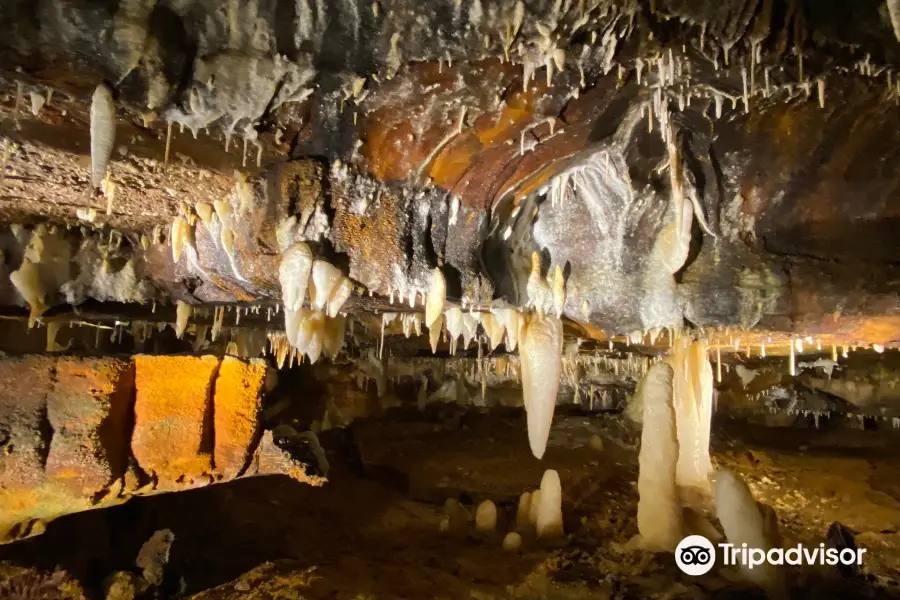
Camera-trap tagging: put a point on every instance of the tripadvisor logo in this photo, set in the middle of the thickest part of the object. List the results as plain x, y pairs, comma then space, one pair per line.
696, 555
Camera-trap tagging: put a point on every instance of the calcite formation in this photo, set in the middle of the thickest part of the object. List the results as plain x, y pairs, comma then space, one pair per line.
659, 511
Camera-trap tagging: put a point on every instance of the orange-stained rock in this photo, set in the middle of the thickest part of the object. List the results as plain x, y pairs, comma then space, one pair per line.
236, 403
173, 429
89, 411
56, 451
25, 384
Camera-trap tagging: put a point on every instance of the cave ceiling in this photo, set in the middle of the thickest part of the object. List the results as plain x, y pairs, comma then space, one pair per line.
658, 165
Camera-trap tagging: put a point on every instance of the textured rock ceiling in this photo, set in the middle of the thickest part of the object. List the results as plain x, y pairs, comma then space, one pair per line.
683, 162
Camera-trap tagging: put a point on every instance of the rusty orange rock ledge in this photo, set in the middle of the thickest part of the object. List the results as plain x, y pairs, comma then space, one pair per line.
84, 433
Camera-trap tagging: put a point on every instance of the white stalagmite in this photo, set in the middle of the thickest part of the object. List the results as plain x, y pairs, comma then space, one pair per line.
541, 363
549, 512
486, 517
743, 523
435, 297
293, 274
533, 507
692, 400
659, 514
512, 542
523, 510
103, 132
182, 314
325, 277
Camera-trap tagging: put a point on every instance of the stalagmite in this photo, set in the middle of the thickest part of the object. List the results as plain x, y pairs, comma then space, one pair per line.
323, 280
549, 512
103, 132
743, 523
512, 542
692, 401
524, 510
486, 517
182, 314
456, 518
293, 274
533, 507
541, 357
659, 514
435, 296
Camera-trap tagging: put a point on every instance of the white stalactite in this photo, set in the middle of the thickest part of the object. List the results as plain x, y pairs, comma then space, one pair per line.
541, 357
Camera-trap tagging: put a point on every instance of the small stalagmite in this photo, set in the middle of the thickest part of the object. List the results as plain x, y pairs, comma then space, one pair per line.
523, 510
486, 517
533, 507
743, 523
549, 512
512, 542
456, 518
541, 354
659, 514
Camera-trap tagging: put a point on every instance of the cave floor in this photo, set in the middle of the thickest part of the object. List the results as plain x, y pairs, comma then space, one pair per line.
373, 530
